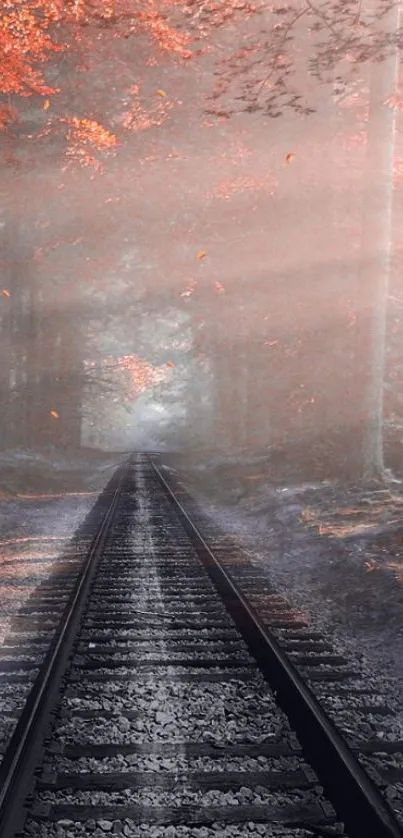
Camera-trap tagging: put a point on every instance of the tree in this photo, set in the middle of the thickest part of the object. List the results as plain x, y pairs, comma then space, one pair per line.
376, 255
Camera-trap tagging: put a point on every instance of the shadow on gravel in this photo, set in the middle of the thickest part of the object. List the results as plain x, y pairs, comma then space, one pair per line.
336, 550
40, 612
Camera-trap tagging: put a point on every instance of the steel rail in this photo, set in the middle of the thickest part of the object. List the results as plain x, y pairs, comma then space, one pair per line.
354, 795
26, 747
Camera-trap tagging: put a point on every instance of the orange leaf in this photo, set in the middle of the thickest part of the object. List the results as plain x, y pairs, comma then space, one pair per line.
46, 105
290, 156
54, 413
170, 364
161, 93
5, 292
201, 254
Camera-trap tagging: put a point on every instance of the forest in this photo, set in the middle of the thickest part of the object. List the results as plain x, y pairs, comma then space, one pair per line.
200, 232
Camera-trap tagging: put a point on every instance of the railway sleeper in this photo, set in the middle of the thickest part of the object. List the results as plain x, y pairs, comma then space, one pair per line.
302, 778
215, 750
291, 814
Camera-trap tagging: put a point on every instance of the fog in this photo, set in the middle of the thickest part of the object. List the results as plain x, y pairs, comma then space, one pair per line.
200, 236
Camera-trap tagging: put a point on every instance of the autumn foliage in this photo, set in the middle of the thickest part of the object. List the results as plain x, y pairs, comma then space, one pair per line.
25, 45
259, 74
32, 31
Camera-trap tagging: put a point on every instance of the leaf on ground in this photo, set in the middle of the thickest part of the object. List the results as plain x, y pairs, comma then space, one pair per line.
54, 414
370, 566
46, 105
170, 364
201, 254
5, 292
161, 92
290, 156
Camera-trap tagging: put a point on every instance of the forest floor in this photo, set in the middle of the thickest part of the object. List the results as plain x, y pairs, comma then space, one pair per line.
44, 497
29, 473
335, 550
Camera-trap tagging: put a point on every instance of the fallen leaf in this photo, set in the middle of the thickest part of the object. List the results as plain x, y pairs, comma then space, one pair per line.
170, 364
54, 413
290, 156
5, 292
201, 254
161, 93
189, 288
46, 105
220, 288
370, 566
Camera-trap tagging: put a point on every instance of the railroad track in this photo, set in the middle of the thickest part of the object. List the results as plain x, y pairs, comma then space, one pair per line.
158, 711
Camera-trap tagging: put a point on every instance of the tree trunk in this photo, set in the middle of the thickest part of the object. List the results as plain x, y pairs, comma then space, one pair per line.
14, 341
375, 258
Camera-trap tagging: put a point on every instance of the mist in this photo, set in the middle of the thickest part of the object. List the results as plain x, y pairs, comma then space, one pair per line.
187, 241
